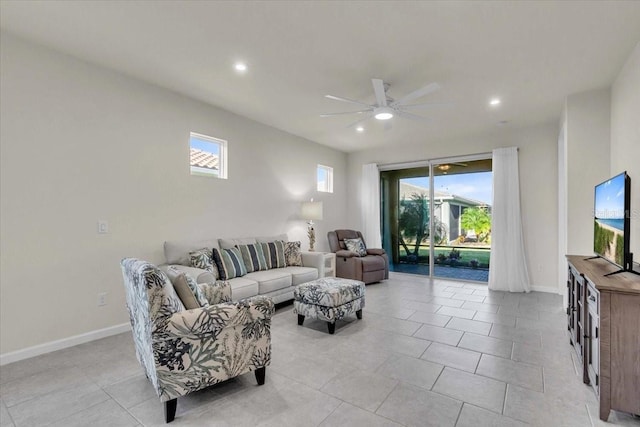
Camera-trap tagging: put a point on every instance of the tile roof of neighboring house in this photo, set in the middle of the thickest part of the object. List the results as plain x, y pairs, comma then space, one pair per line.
406, 190
203, 159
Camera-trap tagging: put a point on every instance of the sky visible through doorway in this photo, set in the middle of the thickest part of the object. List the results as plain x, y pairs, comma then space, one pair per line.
477, 185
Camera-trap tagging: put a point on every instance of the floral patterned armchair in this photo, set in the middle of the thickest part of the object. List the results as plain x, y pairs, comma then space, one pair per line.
182, 350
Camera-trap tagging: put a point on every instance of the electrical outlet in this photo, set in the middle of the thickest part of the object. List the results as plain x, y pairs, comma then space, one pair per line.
103, 226
102, 299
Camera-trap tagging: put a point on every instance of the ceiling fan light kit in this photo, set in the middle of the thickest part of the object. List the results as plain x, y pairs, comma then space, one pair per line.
383, 113
385, 107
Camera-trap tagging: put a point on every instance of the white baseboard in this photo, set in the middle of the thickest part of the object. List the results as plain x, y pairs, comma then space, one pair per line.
550, 290
48, 347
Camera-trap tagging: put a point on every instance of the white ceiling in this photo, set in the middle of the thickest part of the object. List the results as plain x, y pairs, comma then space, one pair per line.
531, 54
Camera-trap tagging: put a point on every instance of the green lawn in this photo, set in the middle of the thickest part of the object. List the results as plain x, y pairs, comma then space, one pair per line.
466, 254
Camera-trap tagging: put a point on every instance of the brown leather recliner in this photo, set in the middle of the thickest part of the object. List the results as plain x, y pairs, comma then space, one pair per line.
371, 268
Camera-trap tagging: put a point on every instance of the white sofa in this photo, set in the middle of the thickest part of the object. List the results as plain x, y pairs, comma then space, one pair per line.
277, 283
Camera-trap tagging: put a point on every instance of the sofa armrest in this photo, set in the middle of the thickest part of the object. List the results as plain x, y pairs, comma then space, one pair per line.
217, 292
376, 252
313, 259
212, 319
346, 254
201, 276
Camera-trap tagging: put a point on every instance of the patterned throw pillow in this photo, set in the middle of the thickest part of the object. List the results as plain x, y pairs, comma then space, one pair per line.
203, 258
229, 263
217, 292
292, 254
187, 289
356, 245
253, 257
274, 254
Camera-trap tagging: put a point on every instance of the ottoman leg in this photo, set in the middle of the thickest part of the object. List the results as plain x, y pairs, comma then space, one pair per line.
300, 319
359, 314
332, 327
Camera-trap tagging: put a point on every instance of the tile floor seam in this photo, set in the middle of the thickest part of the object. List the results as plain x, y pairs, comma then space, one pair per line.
459, 413
398, 382
342, 402
83, 409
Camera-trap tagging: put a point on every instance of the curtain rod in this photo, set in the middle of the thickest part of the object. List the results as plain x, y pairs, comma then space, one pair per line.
424, 163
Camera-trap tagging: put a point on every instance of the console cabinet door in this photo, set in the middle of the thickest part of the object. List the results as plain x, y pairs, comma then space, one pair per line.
592, 351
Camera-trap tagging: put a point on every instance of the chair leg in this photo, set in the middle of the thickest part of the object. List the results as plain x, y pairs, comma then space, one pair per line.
170, 410
300, 319
332, 327
359, 314
260, 374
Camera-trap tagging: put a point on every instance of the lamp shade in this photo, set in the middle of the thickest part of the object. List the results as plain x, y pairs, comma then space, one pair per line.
312, 210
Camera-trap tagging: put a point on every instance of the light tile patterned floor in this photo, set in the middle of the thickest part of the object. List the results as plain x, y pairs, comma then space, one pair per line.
421, 356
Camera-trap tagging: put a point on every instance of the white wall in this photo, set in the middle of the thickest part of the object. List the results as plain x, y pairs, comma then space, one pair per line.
625, 136
588, 132
538, 185
81, 143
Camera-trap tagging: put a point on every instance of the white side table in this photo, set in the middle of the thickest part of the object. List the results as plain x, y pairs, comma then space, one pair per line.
329, 264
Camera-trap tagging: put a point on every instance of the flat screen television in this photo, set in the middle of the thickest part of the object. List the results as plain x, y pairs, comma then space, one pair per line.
612, 221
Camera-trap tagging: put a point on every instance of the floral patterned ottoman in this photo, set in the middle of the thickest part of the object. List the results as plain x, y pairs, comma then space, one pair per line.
329, 299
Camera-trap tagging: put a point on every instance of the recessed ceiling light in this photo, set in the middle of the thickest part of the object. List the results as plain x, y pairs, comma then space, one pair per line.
494, 102
360, 129
240, 67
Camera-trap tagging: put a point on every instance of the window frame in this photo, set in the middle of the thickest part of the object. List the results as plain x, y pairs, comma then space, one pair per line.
222, 156
328, 188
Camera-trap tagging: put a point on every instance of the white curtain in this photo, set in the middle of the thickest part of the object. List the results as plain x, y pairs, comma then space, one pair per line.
370, 205
508, 269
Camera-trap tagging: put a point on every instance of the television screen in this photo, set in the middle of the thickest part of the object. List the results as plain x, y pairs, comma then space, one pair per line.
611, 219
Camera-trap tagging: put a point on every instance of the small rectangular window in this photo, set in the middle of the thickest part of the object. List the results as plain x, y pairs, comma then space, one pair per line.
325, 179
207, 156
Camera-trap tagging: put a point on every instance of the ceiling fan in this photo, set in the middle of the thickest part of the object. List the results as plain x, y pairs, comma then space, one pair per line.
386, 107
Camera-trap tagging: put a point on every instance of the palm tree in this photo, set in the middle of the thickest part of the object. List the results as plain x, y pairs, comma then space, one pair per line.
413, 223
477, 219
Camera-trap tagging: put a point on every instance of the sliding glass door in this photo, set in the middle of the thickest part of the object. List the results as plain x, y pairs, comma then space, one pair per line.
437, 218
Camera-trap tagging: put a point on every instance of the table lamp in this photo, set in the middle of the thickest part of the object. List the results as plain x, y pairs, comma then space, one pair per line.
311, 211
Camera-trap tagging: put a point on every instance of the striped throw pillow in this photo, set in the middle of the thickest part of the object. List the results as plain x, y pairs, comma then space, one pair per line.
274, 254
253, 257
229, 263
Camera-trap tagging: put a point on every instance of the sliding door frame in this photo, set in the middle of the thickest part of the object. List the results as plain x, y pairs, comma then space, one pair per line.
431, 163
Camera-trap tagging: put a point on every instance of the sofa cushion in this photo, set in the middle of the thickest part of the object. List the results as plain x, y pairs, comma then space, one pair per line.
203, 259
177, 252
373, 263
253, 257
229, 263
274, 254
301, 274
292, 254
270, 280
201, 276
242, 288
267, 239
187, 289
356, 245
232, 243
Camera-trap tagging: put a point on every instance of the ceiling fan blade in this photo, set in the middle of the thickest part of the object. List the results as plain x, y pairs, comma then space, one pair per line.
413, 116
367, 117
344, 113
426, 105
351, 101
432, 87
378, 88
